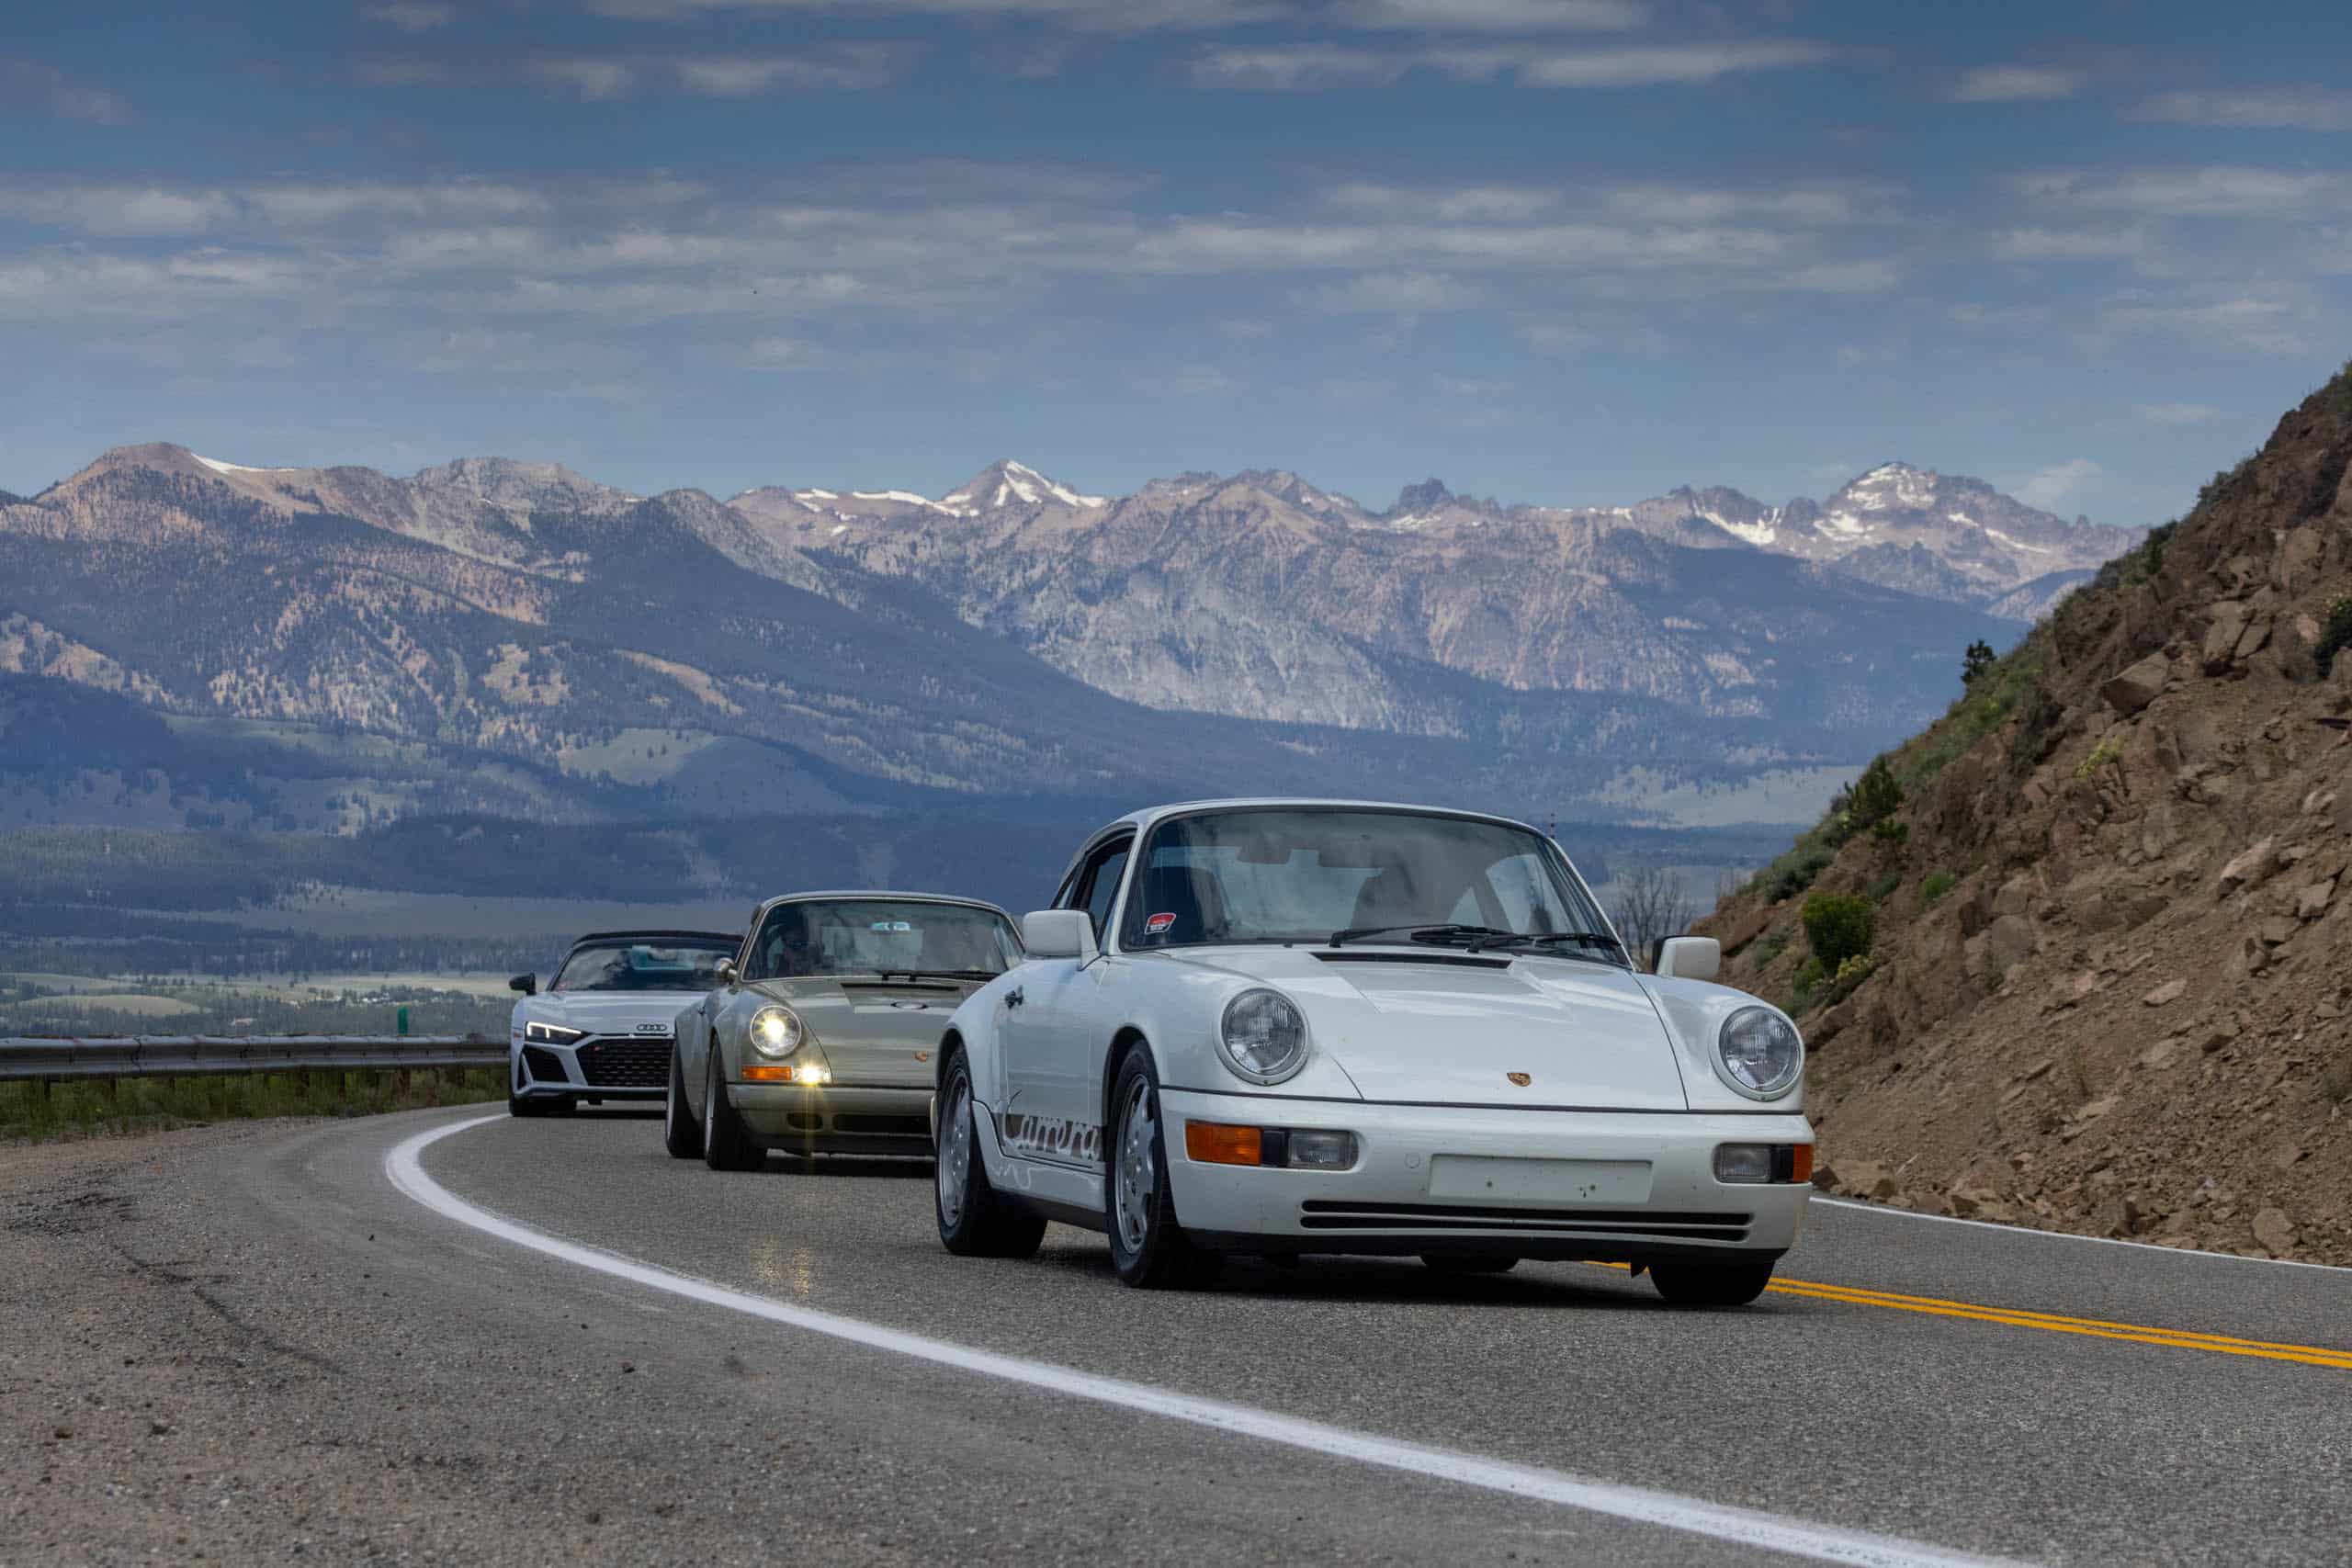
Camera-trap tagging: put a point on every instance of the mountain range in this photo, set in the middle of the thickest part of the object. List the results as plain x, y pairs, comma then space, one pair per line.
327, 648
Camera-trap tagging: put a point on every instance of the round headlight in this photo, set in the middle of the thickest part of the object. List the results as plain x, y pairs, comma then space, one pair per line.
776, 1032
1759, 1054
1263, 1038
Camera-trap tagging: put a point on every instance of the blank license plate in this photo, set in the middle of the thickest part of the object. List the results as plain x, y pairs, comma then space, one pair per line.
1540, 1181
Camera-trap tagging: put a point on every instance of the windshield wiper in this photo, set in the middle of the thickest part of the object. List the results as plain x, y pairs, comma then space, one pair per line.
1538, 939
940, 974
1438, 933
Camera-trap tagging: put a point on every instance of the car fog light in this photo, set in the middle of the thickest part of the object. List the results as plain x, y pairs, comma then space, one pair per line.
809, 1072
1744, 1163
1755, 1164
1318, 1150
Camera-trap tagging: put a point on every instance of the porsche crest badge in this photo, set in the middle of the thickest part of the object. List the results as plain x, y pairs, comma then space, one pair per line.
1521, 1079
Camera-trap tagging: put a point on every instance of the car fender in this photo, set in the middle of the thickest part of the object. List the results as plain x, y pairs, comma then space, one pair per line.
1177, 1006
1694, 1013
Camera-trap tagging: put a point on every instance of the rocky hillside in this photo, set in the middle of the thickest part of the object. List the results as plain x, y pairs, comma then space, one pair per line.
2107, 982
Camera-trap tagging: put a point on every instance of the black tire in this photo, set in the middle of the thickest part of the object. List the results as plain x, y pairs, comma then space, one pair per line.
1471, 1262
1711, 1284
681, 1129
727, 1144
519, 1106
975, 1219
1148, 1247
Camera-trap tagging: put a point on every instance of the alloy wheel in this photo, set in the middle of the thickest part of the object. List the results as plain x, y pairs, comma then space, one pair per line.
1138, 1184
955, 1163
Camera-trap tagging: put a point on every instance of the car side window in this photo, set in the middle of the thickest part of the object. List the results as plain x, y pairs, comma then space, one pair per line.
1097, 884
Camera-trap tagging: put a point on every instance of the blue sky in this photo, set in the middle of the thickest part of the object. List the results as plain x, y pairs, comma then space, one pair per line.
1558, 251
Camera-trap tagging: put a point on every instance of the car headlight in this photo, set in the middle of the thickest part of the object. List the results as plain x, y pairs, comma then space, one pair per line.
1263, 1036
539, 1033
1759, 1054
776, 1032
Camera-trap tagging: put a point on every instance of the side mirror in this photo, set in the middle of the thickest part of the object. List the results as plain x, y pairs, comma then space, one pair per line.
726, 972
1689, 958
528, 985
1059, 933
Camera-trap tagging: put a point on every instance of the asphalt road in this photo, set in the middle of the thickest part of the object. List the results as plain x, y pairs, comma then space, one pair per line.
1964, 1388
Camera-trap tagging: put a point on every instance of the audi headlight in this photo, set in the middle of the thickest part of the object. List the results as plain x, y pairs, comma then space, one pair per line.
776, 1032
1262, 1037
1759, 1054
539, 1033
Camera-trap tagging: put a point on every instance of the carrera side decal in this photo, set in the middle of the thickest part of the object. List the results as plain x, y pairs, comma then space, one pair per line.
1052, 1138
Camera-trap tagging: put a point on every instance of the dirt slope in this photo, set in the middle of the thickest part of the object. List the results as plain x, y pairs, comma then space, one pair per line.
2110, 988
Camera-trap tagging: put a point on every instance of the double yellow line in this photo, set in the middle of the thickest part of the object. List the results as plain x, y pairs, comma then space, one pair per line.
2056, 1322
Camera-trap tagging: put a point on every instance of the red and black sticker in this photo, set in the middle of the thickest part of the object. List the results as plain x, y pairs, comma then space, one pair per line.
1157, 923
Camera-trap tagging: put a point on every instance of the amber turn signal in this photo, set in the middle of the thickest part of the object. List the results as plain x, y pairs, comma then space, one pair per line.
754, 1072
1801, 1167
1214, 1142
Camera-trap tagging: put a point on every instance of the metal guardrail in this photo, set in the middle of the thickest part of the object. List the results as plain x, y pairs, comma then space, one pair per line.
189, 1055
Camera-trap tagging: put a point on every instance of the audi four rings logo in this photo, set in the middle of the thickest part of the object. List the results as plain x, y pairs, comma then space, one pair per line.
654, 1029
1521, 1079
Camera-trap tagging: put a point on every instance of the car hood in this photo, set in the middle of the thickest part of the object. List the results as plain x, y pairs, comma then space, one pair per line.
611, 1012
849, 1011
1410, 1026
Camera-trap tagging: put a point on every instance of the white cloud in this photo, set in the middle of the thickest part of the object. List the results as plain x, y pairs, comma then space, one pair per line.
388, 71
1188, 380
593, 80
1297, 67
2268, 108
849, 67
413, 15
2177, 413
1461, 204
1495, 15
1554, 337
2208, 191
2050, 488
1395, 293
1666, 63
1283, 68
1100, 15
2070, 244
27, 85
2245, 323
2017, 83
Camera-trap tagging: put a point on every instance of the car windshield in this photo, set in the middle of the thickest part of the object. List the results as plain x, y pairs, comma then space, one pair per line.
1317, 875
866, 936
656, 964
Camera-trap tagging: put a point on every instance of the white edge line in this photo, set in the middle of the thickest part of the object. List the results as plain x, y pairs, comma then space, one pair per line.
2070, 1235
1742, 1527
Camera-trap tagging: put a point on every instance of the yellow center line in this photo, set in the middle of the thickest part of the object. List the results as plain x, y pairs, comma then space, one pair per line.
2056, 1322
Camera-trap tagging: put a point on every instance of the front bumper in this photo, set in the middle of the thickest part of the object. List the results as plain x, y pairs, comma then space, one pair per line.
1667, 1205
603, 1066
836, 1118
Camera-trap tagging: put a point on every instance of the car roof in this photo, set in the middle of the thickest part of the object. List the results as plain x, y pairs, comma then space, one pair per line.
879, 894
1149, 815
730, 938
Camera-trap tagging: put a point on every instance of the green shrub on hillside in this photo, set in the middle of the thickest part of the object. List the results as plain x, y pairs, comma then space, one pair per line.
1874, 797
1838, 926
1934, 886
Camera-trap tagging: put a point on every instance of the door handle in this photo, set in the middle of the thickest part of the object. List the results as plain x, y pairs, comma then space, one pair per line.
1014, 999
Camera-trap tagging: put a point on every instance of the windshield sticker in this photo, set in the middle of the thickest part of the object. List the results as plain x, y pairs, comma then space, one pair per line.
891, 926
1158, 923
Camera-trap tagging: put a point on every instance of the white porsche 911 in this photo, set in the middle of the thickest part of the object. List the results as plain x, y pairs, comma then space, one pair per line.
603, 1028
1289, 1027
